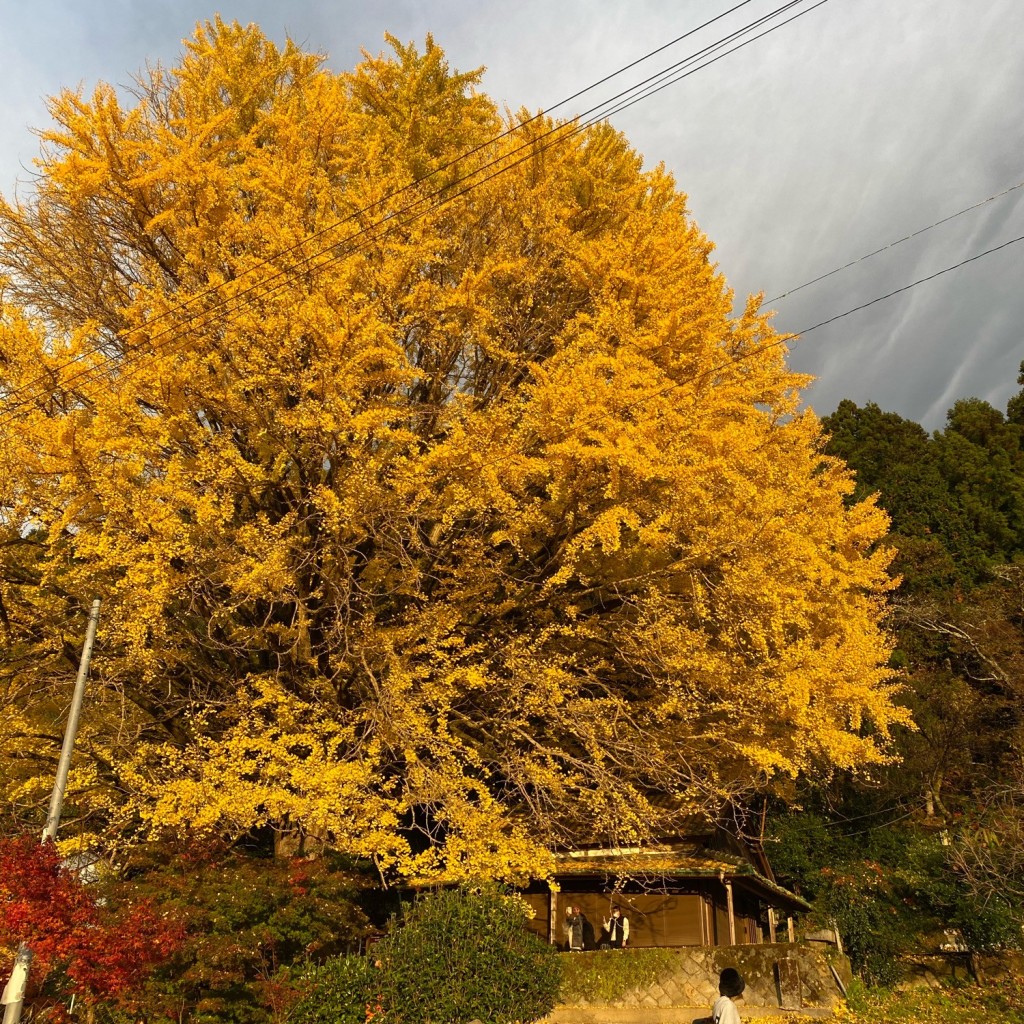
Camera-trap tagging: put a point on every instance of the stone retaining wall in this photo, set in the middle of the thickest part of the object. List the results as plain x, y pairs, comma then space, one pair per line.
943, 969
794, 976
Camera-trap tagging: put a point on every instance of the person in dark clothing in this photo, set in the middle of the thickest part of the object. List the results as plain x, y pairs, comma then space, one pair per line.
589, 938
574, 921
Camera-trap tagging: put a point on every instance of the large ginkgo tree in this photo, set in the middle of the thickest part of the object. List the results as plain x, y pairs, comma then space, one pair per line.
442, 510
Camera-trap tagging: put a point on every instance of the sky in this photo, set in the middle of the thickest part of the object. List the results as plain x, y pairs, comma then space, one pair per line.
858, 123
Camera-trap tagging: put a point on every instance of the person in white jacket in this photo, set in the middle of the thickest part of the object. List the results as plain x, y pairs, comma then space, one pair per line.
617, 928
730, 988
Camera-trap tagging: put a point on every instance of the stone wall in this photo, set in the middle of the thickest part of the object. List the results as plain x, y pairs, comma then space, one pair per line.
941, 970
777, 974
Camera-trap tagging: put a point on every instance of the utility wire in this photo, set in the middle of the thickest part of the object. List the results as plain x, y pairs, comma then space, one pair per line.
839, 822
568, 130
782, 339
845, 835
898, 241
913, 284
656, 83
678, 78
884, 824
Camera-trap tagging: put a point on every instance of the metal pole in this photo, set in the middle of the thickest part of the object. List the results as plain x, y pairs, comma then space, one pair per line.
14, 991
71, 729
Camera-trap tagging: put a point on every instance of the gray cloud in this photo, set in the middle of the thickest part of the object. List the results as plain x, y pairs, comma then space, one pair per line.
852, 126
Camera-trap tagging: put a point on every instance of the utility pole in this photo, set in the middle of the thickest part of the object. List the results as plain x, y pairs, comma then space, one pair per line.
71, 729
14, 992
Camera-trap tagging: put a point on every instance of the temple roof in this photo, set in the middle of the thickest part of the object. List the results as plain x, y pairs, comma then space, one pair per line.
682, 858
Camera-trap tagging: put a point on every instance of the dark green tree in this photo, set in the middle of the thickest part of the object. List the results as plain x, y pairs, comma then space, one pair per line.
944, 856
1015, 407
896, 458
251, 921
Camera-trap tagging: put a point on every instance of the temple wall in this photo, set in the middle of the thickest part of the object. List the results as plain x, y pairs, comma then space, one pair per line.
696, 918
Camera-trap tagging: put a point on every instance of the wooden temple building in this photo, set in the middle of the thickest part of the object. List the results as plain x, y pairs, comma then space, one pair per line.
708, 889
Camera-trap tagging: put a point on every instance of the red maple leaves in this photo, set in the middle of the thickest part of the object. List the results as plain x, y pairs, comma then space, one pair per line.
102, 950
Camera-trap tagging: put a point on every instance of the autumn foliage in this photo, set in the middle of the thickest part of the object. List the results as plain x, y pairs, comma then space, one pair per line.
440, 514
89, 948
249, 922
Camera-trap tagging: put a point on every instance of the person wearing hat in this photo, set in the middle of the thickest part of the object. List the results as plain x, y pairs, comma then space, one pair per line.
730, 987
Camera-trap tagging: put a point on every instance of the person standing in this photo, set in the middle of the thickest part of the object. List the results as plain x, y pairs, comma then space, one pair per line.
574, 929
617, 928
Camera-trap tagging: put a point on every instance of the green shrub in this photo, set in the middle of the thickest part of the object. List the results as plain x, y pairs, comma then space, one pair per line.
874, 927
339, 991
462, 955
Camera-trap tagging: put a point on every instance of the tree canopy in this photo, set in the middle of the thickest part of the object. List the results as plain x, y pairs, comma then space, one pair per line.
440, 533
956, 499
934, 842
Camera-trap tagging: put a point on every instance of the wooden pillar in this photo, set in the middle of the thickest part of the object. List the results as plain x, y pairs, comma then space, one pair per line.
789, 928
771, 925
732, 911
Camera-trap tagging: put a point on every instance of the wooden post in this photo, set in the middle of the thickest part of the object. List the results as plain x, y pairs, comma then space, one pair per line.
789, 928
771, 925
732, 912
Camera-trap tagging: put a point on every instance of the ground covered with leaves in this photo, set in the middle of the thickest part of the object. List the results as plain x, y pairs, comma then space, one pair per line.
997, 1003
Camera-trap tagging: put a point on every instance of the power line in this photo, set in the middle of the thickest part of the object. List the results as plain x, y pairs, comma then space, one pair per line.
653, 84
388, 223
679, 78
574, 128
840, 822
884, 824
782, 339
913, 284
898, 241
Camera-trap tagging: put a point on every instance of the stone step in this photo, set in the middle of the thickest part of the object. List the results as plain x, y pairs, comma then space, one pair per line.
669, 1015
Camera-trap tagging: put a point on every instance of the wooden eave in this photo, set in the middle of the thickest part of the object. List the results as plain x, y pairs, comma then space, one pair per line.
676, 861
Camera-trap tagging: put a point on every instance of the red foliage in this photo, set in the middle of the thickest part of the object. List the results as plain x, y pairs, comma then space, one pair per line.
103, 951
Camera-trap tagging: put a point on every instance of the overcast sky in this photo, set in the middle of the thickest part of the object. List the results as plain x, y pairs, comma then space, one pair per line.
856, 124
